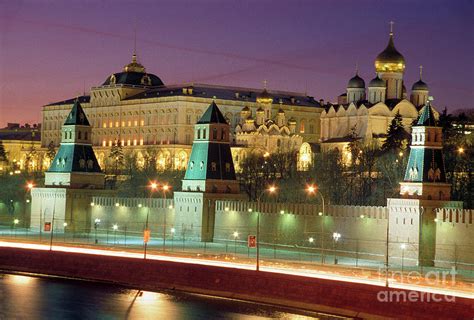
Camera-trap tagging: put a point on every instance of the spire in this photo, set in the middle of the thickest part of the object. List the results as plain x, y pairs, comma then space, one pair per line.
77, 116
391, 27
427, 118
421, 72
212, 115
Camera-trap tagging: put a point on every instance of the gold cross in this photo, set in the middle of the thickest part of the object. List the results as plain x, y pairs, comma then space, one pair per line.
391, 26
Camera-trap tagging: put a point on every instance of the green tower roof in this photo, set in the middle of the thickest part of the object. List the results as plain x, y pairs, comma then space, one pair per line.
426, 118
77, 116
212, 115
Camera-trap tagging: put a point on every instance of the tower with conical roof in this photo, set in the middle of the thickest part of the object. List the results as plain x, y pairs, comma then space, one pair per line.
73, 178
210, 176
425, 176
390, 66
75, 164
424, 189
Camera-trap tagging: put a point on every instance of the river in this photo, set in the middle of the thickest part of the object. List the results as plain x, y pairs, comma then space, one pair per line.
31, 297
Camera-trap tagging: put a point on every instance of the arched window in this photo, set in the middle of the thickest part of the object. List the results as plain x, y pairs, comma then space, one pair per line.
199, 134
204, 133
79, 135
302, 126
214, 134
223, 134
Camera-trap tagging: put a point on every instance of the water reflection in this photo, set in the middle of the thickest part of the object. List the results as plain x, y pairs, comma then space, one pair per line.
25, 297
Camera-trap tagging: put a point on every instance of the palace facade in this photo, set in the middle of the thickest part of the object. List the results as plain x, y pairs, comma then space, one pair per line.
135, 109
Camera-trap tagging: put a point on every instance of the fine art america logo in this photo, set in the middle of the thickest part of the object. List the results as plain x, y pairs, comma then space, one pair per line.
430, 278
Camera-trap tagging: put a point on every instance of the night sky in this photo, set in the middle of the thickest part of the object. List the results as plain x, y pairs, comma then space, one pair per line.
50, 49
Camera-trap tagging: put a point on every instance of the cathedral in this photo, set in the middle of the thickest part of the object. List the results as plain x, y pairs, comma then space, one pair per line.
367, 112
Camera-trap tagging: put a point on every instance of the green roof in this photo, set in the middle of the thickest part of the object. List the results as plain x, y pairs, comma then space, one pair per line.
212, 115
427, 117
77, 116
425, 165
210, 160
75, 158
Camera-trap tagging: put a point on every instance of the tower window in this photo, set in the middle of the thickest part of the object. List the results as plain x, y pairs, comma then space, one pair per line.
204, 133
214, 134
223, 134
227, 167
199, 134
79, 135
191, 165
85, 135
202, 165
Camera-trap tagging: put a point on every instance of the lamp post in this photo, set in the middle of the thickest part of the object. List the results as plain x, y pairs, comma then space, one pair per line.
403, 247
64, 232
115, 227
312, 189
96, 225
335, 237
165, 189
271, 190
15, 222
173, 230
311, 240
153, 186
236, 235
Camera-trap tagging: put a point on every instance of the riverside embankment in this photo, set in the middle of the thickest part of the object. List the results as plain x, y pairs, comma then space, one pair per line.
335, 297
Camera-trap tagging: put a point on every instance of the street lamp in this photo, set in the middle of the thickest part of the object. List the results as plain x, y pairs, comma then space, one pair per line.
165, 189
153, 186
173, 230
15, 222
115, 227
312, 189
335, 237
461, 150
272, 189
96, 224
236, 235
403, 247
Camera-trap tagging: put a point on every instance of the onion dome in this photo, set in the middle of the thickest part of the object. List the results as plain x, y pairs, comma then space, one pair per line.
292, 121
280, 111
419, 85
390, 60
377, 83
260, 109
356, 82
264, 97
245, 109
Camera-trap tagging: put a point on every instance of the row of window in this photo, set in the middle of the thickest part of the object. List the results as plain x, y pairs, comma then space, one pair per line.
213, 166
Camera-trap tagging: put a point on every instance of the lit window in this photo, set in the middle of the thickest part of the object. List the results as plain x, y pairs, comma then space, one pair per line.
134, 142
123, 123
141, 142
110, 143
135, 123
142, 122
129, 123
116, 124
104, 143
122, 142
104, 125
110, 124
302, 126
128, 142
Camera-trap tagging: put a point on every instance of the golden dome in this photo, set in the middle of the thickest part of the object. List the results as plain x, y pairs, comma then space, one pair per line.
134, 66
390, 60
264, 97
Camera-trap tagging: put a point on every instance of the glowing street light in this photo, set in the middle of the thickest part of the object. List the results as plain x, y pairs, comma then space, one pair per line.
236, 235
96, 224
312, 190
311, 240
271, 189
30, 185
335, 236
16, 221
403, 247
461, 150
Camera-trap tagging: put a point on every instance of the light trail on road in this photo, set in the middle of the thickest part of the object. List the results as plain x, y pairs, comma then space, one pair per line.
242, 266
